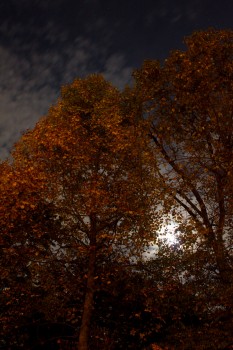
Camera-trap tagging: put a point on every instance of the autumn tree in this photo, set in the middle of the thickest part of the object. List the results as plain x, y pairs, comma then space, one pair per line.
187, 102
27, 226
81, 198
188, 105
95, 173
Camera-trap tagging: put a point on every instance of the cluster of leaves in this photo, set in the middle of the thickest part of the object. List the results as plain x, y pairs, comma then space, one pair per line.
89, 188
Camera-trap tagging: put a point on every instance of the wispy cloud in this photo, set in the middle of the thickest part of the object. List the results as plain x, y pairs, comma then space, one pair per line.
116, 70
30, 84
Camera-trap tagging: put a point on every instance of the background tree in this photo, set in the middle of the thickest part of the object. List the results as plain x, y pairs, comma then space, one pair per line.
188, 102
96, 176
188, 105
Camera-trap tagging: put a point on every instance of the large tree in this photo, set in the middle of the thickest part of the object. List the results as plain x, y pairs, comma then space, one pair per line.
189, 107
94, 166
79, 200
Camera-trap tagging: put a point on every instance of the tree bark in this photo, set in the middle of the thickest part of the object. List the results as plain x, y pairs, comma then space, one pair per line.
90, 289
88, 302
225, 270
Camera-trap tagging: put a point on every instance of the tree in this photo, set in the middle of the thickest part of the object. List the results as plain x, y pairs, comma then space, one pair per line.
189, 108
187, 103
82, 198
28, 229
96, 175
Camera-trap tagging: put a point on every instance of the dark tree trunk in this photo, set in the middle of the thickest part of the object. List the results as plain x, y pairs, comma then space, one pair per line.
88, 302
225, 270
90, 289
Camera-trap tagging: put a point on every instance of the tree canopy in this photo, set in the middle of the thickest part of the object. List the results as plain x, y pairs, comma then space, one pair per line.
89, 189
95, 174
189, 106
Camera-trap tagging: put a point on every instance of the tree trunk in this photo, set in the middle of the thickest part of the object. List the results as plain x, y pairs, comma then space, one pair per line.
225, 271
88, 302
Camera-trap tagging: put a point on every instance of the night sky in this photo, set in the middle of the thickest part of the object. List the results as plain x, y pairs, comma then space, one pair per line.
48, 43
